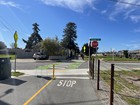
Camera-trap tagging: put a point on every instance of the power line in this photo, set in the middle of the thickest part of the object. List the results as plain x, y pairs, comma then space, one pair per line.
119, 1
6, 22
5, 26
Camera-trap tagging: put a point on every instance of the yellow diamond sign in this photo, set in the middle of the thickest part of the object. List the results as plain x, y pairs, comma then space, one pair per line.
15, 36
84, 48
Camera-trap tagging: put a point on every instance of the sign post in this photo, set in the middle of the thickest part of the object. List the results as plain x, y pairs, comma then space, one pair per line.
15, 45
94, 45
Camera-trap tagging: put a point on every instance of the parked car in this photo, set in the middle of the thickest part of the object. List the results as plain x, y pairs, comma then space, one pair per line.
39, 56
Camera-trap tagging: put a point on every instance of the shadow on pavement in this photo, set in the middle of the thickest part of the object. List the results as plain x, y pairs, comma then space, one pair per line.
7, 92
52, 61
3, 103
12, 81
96, 102
44, 77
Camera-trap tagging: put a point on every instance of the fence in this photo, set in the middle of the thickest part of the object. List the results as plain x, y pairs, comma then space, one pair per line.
21, 53
109, 74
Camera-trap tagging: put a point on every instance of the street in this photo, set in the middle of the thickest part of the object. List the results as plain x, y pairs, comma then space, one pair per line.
29, 64
37, 87
71, 87
67, 92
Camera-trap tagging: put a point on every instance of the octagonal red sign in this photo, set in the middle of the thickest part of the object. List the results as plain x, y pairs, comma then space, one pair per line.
94, 44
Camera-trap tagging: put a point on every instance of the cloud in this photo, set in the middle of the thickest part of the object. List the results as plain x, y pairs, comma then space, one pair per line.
135, 18
137, 30
9, 3
75, 5
104, 11
133, 45
125, 8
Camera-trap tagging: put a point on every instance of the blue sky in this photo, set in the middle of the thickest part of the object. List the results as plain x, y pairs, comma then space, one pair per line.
117, 24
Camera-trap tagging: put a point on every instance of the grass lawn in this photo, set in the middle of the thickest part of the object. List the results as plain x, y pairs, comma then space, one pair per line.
7, 56
46, 66
17, 74
110, 58
74, 65
71, 66
127, 94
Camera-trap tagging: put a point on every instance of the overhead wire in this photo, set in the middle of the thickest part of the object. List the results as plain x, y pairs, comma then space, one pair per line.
5, 26
123, 2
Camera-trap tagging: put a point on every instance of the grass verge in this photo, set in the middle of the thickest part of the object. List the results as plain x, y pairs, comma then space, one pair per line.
7, 56
74, 65
110, 58
46, 67
17, 74
128, 89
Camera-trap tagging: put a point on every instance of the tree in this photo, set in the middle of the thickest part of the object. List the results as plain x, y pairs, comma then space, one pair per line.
51, 46
125, 52
69, 37
86, 52
34, 39
2, 45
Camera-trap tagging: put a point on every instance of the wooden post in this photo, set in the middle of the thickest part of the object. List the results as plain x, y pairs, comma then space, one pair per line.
53, 71
98, 75
93, 69
112, 85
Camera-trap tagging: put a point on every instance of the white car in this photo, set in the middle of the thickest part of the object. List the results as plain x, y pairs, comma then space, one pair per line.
39, 56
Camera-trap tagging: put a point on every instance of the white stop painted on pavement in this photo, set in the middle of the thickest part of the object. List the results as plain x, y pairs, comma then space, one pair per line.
66, 83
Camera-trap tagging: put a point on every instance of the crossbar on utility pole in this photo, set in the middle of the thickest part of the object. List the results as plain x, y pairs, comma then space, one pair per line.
112, 85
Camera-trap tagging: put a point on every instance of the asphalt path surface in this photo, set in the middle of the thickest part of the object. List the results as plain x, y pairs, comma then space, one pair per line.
28, 65
83, 65
70, 91
65, 90
71, 87
32, 64
15, 91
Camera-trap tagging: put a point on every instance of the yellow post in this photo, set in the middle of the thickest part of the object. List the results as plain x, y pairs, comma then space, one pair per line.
53, 71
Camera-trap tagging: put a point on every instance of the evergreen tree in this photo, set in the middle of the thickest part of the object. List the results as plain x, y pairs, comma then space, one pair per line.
70, 37
86, 52
34, 39
2, 45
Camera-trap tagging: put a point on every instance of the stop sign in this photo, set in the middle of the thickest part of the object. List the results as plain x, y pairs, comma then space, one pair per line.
94, 44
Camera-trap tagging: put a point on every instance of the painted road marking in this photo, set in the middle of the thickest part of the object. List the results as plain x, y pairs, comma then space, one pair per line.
66, 83
27, 102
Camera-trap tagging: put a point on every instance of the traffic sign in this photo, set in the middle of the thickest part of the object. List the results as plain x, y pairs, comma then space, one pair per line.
94, 44
15, 36
95, 39
84, 48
